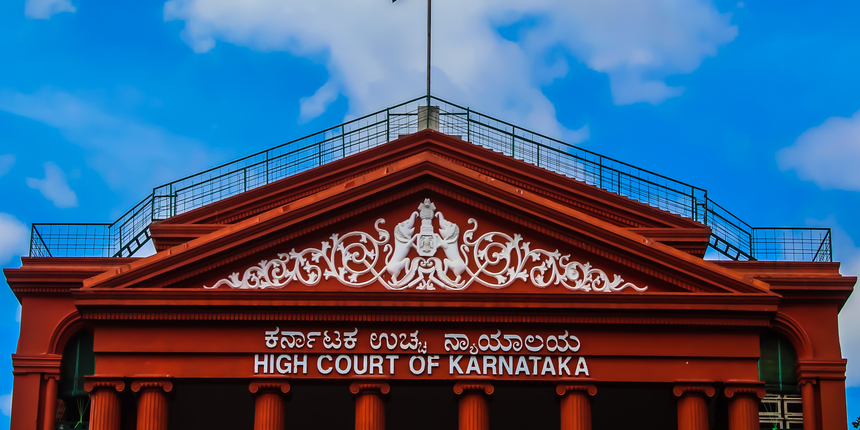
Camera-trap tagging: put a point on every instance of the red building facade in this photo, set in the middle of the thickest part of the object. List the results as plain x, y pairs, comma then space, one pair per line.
432, 283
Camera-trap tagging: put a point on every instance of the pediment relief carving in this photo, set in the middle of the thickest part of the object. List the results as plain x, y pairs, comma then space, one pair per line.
427, 251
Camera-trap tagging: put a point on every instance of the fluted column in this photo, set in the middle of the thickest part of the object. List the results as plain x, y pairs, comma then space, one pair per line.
49, 418
104, 402
576, 405
152, 402
474, 411
807, 390
269, 403
369, 405
744, 398
693, 404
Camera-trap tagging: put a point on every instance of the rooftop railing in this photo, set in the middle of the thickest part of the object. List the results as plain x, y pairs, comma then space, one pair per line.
731, 237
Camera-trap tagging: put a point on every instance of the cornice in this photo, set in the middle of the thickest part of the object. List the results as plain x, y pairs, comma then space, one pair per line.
41, 363
57, 275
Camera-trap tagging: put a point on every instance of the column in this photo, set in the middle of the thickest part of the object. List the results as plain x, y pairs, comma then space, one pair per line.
576, 405
474, 411
269, 403
744, 397
369, 405
104, 402
152, 402
807, 391
693, 404
49, 418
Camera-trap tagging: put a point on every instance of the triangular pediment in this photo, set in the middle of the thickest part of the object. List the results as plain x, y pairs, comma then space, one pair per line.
478, 232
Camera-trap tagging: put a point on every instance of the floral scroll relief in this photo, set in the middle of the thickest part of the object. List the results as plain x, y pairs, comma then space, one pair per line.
359, 259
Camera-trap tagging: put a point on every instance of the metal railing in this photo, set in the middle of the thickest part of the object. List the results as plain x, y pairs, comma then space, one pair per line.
731, 237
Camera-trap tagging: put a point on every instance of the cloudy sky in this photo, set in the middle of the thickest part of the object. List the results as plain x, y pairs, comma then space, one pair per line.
756, 101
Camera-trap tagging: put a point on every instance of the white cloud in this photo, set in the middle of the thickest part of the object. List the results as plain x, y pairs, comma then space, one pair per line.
374, 50
828, 154
131, 156
44, 9
6, 163
315, 105
14, 238
6, 404
55, 187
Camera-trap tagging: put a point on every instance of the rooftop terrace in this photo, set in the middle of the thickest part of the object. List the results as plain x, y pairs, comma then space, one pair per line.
731, 237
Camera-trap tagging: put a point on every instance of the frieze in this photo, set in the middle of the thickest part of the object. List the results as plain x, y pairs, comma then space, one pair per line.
429, 258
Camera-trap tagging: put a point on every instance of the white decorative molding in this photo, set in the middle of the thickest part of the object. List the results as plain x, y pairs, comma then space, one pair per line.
499, 260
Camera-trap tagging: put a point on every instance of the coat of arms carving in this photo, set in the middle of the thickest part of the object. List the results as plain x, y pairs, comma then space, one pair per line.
412, 260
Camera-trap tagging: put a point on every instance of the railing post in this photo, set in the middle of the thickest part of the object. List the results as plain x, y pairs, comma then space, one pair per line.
267, 167
172, 202
600, 175
244, 179
468, 125
513, 142
388, 125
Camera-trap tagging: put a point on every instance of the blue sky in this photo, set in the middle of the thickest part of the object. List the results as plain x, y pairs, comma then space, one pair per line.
758, 101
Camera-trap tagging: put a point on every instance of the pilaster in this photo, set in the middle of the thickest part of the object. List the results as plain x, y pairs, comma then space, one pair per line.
269, 403
369, 405
152, 402
744, 398
474, 411
576, 405
692, 404
104, 401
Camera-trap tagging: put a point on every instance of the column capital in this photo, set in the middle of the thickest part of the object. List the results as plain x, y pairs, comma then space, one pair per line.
54, 376
584, 386
821, 369
96, 382
257, 385
359, 386
141, 382
462, 386
684, 387
808, 380
749, 388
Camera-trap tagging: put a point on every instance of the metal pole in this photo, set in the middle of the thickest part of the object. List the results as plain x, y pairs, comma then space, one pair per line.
428, 63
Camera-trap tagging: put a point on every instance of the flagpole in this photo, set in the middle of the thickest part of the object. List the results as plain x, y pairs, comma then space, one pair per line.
428, 63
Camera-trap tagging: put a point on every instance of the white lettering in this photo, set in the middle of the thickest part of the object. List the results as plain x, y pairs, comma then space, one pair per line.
522, 366
264, 362
506, 363
547, 366
391, 359
581, 367
285, 368
432, 361
303, 363
562, 365
473, 364
355, 365
535, 361
312, 338
576, 348
376, 363
349, 339
489, 363
337, 366
454, 364
319, 364
412, 361
272, 338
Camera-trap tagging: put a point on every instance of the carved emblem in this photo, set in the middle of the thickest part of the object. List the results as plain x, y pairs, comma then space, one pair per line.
353, 260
